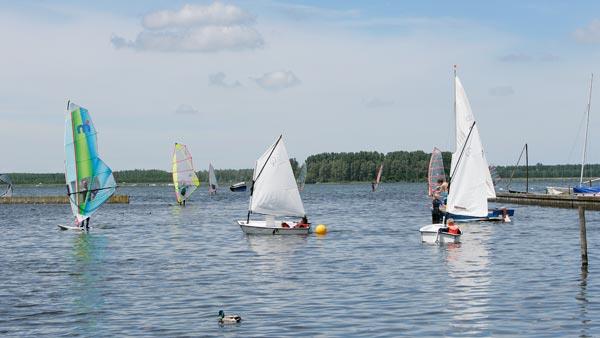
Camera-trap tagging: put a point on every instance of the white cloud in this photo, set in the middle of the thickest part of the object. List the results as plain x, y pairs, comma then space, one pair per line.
209, 28
193, 15
588, 34
186, 109
376, 102
277, 80
218, 80
502, 91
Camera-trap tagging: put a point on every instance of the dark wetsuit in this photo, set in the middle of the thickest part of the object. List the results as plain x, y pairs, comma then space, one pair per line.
436, 213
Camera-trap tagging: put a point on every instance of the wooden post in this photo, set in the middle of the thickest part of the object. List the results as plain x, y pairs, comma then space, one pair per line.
583, 238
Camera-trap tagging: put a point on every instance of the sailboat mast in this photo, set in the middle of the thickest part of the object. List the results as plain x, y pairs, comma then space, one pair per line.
587, 126
454, 99
526, 168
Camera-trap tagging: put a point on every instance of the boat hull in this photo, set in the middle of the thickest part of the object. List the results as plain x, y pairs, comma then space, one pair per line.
586, 191
430, 234
261, 228
559, 190
238, 187
493, 215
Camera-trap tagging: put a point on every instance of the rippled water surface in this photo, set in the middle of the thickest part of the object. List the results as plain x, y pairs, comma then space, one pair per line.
152, 268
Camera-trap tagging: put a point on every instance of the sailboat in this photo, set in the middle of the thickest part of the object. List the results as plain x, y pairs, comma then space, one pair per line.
90, 182
302, 177
184, 176
526, 151
436, 172
470, 181
375, 184
212, 180
6, 186
580, 189
274, 193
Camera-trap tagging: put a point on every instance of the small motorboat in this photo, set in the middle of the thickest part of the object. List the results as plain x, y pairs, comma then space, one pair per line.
431, 234
238, 187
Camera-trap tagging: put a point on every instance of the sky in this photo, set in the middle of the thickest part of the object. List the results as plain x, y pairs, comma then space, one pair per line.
227, 78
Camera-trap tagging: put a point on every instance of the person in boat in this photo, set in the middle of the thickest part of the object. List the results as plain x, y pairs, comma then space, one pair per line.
436, 211
451, 227
303, 223
213, 189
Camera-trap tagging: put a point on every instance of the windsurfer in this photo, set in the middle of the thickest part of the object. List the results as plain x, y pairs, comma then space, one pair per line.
373, 186
182, 192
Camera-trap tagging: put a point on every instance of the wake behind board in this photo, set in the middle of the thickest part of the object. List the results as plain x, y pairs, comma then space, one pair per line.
70, 227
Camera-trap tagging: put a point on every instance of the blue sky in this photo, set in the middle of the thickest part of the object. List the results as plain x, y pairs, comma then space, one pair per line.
226, 78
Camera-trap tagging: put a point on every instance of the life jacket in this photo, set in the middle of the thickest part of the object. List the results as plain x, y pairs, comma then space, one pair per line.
453, 229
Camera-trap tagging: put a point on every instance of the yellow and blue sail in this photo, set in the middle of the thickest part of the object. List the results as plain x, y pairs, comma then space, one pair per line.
185, 179
90, 182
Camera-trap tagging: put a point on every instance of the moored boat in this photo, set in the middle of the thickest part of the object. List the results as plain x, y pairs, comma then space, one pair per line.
238, 187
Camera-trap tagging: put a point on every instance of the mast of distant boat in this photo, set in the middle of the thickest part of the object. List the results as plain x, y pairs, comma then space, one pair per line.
587, 127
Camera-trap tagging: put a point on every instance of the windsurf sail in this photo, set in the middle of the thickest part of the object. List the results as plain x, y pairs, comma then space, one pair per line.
184, 176
378, 178
6, 186
275, 191
212, 180
436, 171
90, 182
302, 177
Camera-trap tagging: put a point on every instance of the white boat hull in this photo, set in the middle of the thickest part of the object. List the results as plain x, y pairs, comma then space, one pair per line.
274, 228
559, 191
430, 234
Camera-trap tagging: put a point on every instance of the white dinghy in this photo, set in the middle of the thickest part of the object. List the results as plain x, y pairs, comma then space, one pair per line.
274, 193
431, 234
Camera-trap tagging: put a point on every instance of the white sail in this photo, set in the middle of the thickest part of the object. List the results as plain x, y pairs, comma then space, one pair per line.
275, 191
471, 183
212, 179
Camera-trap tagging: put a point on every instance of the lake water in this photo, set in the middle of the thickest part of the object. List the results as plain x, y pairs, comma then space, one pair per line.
152, 268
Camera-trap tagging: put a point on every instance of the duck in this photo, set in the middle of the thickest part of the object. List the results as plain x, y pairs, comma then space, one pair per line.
228, 319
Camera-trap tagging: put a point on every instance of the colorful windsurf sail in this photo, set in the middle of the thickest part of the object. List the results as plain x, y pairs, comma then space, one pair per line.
436, 171
90, 182
302, 177
213, 185
184, 176
378, 178
6, 186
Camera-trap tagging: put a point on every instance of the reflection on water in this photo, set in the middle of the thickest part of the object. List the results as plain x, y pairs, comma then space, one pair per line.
87, 280
468, 269
156, 269
582, 299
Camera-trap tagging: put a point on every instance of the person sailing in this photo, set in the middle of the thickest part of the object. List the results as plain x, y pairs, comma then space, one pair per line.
451, 227
182, 193
442, 189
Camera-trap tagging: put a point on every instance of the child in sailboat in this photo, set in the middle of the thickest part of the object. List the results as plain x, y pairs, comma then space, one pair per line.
303, 223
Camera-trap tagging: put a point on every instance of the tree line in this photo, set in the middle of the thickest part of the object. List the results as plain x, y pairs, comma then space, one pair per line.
398, 166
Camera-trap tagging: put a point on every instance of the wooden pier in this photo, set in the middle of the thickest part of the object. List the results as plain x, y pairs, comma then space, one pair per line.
554, 201
120, 199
